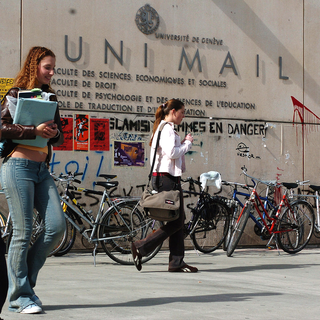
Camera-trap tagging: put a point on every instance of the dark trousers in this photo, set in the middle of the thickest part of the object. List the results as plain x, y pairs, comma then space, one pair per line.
172, 229
3, 274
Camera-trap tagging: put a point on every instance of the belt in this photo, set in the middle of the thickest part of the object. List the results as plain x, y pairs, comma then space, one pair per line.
160, 174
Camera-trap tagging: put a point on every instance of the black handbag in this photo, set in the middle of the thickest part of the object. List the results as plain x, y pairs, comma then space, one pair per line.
163, 205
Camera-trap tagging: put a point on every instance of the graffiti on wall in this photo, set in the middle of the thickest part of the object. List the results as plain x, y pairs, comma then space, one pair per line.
244, 151
305, 116
214, 127
124, 141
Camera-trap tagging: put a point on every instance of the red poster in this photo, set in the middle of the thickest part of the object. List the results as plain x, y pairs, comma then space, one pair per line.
99, 134
81, 132
67, 129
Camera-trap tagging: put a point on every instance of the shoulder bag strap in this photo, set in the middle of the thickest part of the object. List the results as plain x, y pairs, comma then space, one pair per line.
155, 151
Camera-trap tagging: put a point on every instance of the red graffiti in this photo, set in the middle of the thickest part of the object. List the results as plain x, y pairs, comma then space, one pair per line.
306, 117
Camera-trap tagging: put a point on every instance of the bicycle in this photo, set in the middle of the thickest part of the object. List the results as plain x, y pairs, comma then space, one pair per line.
314, 195
37, 229
209, 222
123, 222
66, 184
290, 224
236, 205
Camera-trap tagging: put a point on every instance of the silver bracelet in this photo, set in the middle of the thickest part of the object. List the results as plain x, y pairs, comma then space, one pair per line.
57, 135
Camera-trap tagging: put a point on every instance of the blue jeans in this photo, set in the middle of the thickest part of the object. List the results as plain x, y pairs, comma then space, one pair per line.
27, 185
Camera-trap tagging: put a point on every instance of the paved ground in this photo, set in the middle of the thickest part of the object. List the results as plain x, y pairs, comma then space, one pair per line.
254, 284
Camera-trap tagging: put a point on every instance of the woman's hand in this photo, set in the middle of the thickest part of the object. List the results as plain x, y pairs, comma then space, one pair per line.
189, 137
47, 129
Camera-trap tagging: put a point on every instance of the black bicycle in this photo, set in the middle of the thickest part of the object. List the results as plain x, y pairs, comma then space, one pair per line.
209, 223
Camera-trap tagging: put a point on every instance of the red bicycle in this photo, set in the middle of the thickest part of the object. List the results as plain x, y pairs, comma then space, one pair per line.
290, 224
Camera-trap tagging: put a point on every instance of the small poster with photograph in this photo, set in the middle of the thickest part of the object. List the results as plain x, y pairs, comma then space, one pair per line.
128, 154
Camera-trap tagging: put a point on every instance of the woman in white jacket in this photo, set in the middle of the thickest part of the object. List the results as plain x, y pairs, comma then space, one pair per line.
168, 168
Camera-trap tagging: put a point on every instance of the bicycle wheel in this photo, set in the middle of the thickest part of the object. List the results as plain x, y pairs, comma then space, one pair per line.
295, 226
5, 230
122, 226
238, 228
38, 228
3, 221
70, 237
211, 227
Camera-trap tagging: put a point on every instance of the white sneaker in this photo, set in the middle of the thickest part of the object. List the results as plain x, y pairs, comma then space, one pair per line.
32, 308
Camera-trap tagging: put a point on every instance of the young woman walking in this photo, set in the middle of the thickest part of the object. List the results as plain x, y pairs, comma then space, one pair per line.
168, 168
27, 184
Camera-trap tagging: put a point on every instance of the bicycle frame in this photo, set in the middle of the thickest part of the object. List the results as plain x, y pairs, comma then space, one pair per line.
81, 215
79, 211
290, 225
270, 229
266, 200
316, 197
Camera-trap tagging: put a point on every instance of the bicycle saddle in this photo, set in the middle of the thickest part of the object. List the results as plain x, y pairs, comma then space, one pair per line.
315, 188
108, 176
108, 184
290, 185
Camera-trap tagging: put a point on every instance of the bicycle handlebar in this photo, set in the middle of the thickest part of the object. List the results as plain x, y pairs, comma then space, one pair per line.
189, 179
242, 185
271, 183
303, 183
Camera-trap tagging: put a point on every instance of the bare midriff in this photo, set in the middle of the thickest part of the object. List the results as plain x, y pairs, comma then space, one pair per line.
33, 155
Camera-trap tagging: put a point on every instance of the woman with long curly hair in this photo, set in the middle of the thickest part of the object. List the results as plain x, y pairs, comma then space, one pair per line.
27, 184
168, 168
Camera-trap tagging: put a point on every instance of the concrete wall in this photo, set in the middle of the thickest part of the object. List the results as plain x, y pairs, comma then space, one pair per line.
236, 63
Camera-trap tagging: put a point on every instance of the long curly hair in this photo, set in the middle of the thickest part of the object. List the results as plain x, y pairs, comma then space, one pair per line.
27, 76
164, 110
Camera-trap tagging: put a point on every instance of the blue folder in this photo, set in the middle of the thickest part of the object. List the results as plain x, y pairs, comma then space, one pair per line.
33, 112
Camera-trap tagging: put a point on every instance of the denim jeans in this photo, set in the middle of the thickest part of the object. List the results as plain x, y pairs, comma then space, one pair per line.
27, 185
